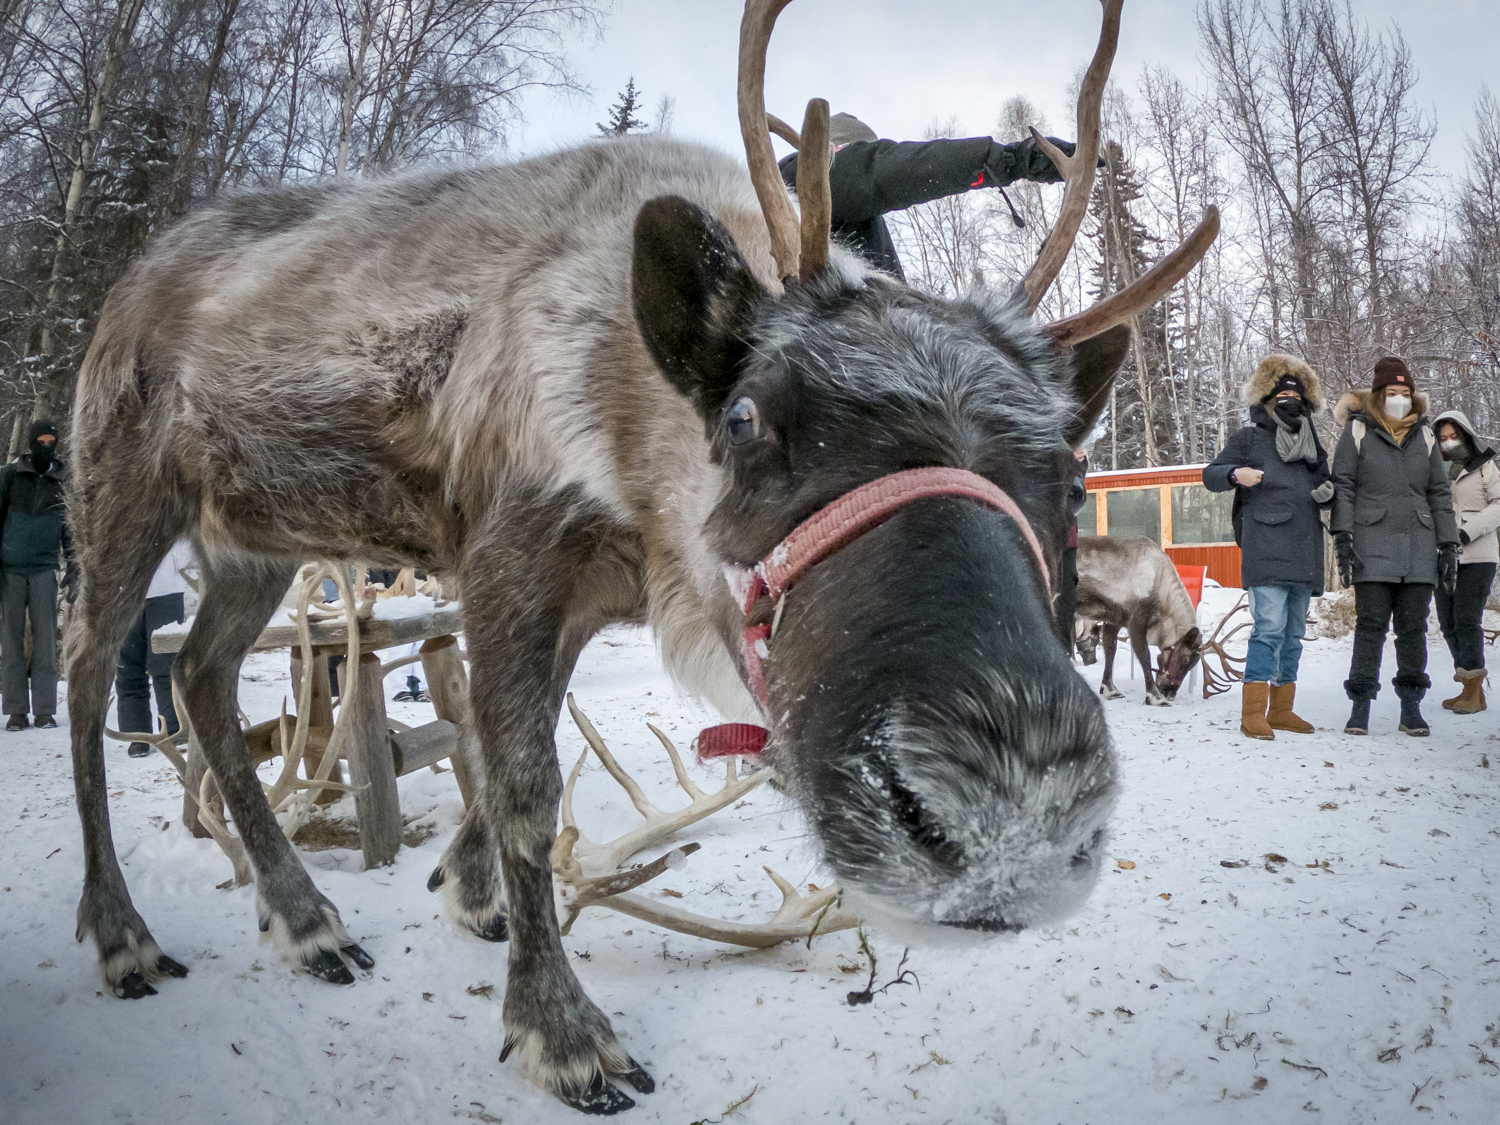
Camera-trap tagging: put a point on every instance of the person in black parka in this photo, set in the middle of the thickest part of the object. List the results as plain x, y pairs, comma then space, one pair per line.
33, 531
1281, 479
1395, 534
870, 177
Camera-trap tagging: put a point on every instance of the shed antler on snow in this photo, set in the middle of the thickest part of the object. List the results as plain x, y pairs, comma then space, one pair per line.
591, 873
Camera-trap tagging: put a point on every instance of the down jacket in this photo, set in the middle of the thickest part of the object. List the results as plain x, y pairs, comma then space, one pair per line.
1394, 498
1282, 531
1476, 496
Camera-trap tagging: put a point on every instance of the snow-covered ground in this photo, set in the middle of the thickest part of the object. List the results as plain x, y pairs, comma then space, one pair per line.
1297, 930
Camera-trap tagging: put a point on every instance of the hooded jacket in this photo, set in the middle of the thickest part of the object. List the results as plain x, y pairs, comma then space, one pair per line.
33, 523
1280, 530
1394, 497
1476, 495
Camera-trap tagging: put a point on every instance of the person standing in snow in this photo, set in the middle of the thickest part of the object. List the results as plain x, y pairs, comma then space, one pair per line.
1394, 533
140, 669
1281, 479
1475, 480
33, 530
870, 177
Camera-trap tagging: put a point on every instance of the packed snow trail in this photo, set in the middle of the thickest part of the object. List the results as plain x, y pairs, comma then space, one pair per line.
1305, 927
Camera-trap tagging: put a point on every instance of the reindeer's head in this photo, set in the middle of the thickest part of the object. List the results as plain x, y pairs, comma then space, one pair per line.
1177, 660
923, 708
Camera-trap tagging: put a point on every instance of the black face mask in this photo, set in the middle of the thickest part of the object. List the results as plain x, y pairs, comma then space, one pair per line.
1289, 410
41, 456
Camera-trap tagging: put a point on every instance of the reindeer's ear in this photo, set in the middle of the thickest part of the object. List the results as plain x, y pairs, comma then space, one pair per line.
694, 298
1095, 362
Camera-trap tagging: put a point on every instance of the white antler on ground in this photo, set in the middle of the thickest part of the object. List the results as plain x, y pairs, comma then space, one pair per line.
591, 873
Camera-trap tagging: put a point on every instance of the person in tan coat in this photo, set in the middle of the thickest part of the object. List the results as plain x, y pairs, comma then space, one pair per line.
1475, 480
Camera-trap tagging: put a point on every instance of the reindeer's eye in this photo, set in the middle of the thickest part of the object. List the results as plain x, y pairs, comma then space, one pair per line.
742, 422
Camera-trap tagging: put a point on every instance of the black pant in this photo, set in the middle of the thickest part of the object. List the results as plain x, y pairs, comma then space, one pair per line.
140, 668
1459, 614
31, 593
1376, 605
1067, 595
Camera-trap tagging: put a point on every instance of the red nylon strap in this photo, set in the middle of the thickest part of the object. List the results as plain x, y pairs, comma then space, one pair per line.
870, 505
731, 740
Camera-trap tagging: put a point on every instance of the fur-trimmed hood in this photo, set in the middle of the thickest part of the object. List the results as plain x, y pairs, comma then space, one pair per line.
1273, 367
1358, 402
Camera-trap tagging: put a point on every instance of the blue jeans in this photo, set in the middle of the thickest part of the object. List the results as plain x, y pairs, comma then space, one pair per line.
1275, 650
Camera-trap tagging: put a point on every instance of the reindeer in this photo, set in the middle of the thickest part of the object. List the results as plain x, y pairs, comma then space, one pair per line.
1129, 583
615, 384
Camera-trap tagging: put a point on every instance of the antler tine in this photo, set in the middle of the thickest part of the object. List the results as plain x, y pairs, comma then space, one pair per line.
568, 819
781, 129
1077, 169
682, 775
781, 220
813, 192
1140, 294
591, 736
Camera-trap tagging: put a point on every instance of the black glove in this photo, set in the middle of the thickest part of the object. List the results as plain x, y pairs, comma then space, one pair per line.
70, 582
1343, 547
1448, 566
1027, 161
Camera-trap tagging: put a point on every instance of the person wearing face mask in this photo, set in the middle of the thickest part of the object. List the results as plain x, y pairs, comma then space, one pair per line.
33, 530
1281, 480
1394, 533
1475, 478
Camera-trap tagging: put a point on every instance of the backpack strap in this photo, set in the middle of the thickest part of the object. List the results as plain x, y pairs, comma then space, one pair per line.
1357, 428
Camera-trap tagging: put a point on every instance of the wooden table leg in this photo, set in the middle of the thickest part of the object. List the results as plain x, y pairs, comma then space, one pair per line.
448, 685
371, 768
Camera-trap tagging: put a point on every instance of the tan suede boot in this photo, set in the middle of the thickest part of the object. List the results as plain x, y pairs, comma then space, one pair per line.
1253, 710
1280, 716
1471, 702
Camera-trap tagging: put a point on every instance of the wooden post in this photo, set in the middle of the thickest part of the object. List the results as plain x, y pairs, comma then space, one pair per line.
371, 768
448, 685
320, 712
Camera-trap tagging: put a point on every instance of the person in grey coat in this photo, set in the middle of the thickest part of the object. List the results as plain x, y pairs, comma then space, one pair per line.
1475, 478
1394, 533
1281, 479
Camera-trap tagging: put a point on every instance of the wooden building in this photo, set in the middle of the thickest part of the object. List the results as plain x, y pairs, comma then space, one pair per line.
1170, 505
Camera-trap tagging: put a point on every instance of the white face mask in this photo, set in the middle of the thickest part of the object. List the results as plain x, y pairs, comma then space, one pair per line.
1398, 407
1453, 445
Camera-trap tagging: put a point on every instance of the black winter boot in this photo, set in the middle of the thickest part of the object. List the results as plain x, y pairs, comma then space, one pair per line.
1359, 718
1410, 688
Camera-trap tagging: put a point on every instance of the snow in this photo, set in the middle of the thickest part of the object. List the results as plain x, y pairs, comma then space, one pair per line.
1356, 980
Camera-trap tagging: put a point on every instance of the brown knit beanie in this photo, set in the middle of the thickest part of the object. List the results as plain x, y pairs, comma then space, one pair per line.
1390, 371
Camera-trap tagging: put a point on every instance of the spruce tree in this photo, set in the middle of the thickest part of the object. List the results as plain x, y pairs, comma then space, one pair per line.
622, 118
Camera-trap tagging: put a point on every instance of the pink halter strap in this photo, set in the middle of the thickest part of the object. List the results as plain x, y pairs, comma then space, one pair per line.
829, 530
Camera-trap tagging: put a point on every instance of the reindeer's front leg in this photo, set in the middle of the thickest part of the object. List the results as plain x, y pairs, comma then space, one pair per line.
1142, 650
531, 600
1107, 687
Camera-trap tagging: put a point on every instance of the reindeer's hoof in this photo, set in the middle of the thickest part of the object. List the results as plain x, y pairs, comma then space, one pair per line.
133, 986
642, 1082
358, 956
1157, 701
599, 1098
436, 879
170, 967
327, 965
1107, 692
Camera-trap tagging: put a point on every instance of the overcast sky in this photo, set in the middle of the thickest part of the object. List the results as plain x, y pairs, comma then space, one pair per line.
899, 65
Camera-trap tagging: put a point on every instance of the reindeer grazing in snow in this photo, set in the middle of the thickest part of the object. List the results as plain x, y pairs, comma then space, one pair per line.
1129, 583
591, 386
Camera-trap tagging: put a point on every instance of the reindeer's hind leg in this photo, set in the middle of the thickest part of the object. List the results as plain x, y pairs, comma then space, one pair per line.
240, 593
117, 553
1107, 687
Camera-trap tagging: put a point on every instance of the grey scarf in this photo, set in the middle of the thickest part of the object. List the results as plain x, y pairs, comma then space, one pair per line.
1298, 444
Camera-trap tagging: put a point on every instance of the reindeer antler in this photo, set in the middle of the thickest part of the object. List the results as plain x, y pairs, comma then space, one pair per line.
1078, 171
799, 248
590, 873
1228, 676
